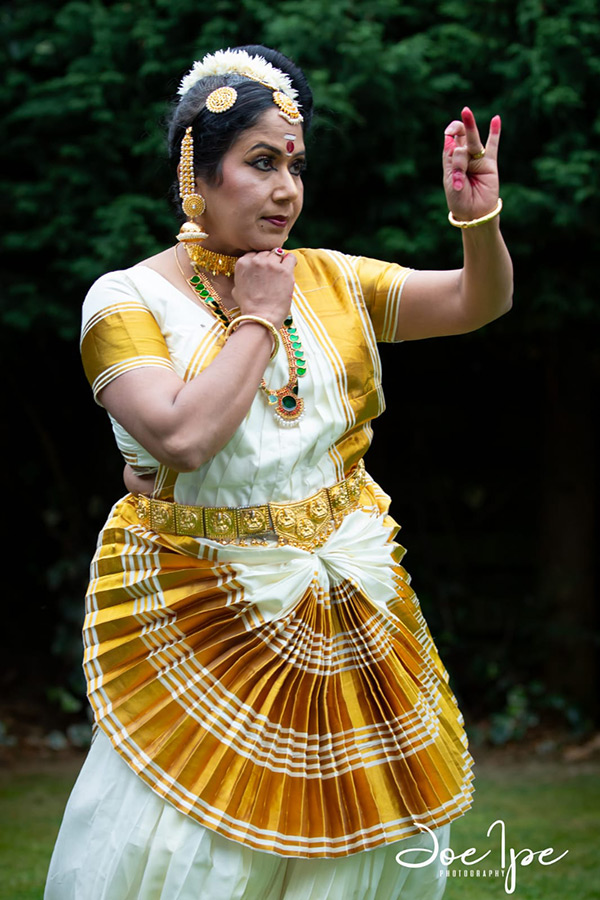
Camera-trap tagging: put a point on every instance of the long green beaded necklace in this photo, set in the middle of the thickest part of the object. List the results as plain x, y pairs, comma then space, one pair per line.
289, 407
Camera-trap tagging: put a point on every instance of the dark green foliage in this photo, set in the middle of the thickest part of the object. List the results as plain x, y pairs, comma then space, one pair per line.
88, 84
85, 184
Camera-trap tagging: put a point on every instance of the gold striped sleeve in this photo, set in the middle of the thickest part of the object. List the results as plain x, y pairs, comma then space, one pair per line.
119, 338
382, 284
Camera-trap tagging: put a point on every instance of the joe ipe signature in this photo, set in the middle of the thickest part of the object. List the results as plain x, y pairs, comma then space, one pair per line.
447, 856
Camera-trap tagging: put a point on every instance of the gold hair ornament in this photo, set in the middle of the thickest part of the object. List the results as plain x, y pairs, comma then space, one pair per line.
288, 109
239, 62
473, 223
192, 203
221, 99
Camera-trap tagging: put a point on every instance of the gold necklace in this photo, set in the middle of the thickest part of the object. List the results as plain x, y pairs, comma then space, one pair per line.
215, 263
289, 407
206, 291
208, 295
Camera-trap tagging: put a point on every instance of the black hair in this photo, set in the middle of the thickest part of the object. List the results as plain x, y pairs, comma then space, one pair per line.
215, 133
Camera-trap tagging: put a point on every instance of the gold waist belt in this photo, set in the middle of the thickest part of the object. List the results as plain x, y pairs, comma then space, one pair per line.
303, 523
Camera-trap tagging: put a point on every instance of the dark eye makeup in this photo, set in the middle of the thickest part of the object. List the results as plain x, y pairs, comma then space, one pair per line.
267, 163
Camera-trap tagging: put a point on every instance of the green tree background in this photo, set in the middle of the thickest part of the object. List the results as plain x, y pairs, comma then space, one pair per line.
488, 446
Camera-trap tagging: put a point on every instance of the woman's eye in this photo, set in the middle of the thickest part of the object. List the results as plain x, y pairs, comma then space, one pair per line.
298, 167
263, 163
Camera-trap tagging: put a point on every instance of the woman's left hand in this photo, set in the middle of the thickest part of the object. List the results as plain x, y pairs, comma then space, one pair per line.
471, 184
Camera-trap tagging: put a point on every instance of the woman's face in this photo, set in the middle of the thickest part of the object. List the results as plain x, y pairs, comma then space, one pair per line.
260, 195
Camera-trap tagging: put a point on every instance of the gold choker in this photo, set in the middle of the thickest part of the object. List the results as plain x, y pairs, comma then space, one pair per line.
215, 263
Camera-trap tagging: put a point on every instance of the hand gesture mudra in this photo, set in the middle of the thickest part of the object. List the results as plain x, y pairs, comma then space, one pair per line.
264, 284
470, 175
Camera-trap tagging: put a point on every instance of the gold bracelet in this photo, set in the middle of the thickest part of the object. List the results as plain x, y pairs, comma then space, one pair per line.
475, 222
233, 326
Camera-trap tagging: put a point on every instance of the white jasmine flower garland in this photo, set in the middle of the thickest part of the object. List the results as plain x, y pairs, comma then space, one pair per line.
238, 62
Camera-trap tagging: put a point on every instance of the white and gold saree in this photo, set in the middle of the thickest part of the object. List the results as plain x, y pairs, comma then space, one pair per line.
289, 699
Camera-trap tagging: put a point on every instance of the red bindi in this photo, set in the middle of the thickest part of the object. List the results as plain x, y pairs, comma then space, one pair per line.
289, 147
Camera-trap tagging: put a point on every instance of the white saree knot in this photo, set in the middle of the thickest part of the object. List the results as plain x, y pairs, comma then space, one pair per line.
359, 552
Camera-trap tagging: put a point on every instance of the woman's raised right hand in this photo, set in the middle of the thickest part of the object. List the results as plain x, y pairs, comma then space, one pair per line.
264, 284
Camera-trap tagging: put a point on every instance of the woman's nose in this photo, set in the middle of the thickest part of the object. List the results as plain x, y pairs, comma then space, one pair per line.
287, 186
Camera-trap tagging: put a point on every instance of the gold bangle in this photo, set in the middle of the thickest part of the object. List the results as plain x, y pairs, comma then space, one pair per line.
233, 326
475, 222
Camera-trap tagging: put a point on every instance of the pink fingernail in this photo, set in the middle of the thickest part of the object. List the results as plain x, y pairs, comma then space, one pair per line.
448, 142
457, 181
468, 117
495, 124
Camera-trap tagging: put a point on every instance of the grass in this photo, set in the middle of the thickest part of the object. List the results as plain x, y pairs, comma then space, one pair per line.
542, 804
31, 808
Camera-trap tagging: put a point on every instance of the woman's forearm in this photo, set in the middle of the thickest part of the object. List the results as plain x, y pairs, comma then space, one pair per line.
207, 411
486, 281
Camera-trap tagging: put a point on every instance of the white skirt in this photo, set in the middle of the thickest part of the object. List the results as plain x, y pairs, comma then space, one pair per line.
121, 841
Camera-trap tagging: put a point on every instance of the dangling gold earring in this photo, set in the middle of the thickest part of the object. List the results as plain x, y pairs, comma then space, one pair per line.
192, 203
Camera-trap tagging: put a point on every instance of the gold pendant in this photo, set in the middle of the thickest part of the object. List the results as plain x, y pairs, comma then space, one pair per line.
288, 406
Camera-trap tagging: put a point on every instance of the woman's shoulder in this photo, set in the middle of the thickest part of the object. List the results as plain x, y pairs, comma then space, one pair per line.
122, 279
321, 256
329, 258
322, 263
328, 265
121, 294
134, 285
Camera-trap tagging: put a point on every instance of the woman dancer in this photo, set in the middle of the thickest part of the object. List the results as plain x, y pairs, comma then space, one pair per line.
273, 718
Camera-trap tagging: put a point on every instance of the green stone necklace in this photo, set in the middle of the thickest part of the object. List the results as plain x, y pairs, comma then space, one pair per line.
289, 407
212, 300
